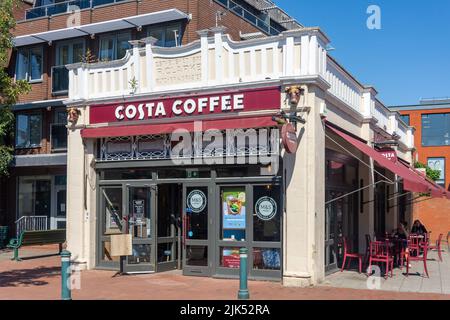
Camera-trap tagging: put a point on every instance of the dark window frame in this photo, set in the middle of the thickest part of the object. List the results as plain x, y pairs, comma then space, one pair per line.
28, 144
55, 123
28, 50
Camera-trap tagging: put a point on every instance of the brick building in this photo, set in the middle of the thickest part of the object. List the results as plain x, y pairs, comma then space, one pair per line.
51, 34
431, 120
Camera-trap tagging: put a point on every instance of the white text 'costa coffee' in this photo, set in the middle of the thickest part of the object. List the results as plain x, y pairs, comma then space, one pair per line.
229, 102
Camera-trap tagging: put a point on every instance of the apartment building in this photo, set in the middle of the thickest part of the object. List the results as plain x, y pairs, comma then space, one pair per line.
51, 34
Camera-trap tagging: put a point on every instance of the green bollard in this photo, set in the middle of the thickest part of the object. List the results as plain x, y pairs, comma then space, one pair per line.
65, 275
243, 293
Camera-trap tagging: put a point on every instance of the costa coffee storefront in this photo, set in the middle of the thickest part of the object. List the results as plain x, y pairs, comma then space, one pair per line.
193, 185
196, 151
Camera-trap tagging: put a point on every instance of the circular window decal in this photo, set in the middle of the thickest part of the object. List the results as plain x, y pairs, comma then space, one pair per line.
266, 208
196, 201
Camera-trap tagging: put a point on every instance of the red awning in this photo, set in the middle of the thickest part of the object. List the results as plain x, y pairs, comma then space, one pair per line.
191, 126
435, 190
411, 181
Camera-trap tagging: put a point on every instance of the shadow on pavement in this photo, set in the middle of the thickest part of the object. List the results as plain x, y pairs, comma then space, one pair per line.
21, 277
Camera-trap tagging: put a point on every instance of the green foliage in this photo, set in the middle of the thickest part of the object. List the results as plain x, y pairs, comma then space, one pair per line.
431, 173
9, 89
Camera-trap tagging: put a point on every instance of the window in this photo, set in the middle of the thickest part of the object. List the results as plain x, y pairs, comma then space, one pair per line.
114, 46
405, 119
29, 64
438, 164
34, 196
58, 130
167, 35
28, 130
436, 129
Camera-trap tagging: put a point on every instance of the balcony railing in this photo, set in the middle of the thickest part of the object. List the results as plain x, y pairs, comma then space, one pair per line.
250, 17
60, 80
64, 7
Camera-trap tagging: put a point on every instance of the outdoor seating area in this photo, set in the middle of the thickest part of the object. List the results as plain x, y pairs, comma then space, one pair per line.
408, 253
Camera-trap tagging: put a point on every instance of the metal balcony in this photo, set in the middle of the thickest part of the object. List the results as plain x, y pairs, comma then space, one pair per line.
64, 7
250, 17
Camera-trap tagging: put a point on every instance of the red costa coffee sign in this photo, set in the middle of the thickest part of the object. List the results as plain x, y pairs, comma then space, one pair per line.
389, 154
289, 138
173, 107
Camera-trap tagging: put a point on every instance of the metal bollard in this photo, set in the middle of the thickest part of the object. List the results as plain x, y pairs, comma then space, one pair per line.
243, 293
65, 275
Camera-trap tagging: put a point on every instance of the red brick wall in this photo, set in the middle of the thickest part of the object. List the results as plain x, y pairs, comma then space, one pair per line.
433, 213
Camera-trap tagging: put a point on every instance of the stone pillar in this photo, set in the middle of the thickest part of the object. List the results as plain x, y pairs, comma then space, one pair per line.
303, 225
366, 178
76, 218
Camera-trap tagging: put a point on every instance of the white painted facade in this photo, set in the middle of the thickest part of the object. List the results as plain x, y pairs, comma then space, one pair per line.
215, 63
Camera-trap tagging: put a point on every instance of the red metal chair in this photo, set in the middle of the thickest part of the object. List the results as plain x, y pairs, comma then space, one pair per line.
419, 257
437, 246
379, 252
414, 241
350, 256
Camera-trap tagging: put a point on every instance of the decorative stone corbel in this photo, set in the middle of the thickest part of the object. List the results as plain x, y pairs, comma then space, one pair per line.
73, 115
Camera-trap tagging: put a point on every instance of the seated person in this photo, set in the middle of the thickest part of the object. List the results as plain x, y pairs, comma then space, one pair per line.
418, 228
400, 232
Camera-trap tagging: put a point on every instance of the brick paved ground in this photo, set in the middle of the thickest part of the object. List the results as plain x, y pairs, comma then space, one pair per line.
40, 279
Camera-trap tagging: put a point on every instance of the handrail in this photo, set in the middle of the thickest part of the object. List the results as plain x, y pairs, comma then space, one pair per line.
31, 223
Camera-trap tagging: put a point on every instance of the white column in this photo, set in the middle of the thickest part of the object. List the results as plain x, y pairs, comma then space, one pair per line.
149, 43
136, 64
304, 68
218, 44
313, 55
204, 52
289, 55
303, 243
76, 218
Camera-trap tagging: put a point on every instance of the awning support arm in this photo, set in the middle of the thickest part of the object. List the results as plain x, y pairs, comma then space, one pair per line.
358, 190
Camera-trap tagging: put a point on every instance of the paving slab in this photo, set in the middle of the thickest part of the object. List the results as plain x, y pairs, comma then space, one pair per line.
39, 279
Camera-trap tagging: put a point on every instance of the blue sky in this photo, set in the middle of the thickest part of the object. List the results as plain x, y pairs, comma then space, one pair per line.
408, 59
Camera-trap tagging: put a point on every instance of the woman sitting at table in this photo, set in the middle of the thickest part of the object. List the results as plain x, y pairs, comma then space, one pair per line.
418, 228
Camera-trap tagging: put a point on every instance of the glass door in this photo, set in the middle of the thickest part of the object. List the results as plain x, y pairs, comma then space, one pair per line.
334, 214
140, 223
169, 206
58, 218
197, 228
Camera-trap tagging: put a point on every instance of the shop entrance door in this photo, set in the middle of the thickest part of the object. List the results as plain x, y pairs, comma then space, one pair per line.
140, 222
197, 227
169, 204
334, 230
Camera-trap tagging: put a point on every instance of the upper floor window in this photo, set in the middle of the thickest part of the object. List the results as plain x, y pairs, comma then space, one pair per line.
438, 164
67, 52
28, 130
114, 46
29, 64
167, 35
58, 130
436, 129
405, 118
